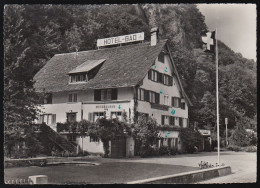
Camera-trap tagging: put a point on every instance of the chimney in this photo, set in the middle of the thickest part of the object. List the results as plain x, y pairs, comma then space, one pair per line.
154, 36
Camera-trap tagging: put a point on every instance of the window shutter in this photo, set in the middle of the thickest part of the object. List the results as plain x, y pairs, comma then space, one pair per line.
97, 95
172, 101
171, 120
146, 95
179, 102
180, 122
149, 74
90, 117
53, 119
75, 97
114, 94
183, 105
157, 98
171, 81
159, 77
162, 119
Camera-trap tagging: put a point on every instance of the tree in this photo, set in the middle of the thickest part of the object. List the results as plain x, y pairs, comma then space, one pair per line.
146, 131
239, 136
190, 138
109, 129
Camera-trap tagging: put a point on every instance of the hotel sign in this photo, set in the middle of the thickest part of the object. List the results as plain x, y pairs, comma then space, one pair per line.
120, 39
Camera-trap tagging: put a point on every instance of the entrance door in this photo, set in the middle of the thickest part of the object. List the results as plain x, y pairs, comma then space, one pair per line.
118, 147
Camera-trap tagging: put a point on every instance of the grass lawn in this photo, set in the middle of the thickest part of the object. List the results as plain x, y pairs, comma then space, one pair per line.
105, 173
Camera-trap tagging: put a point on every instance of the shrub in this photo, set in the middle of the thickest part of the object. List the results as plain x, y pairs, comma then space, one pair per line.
164, 150
191, 139
83, 154
250, 149
240, 137
148, 152
234, 148
173, 151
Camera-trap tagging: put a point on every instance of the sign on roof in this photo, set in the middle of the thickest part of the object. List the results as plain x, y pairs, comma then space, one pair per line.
120, 39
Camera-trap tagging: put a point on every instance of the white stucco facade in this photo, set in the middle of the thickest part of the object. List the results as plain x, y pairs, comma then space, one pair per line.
170, 91
86, 108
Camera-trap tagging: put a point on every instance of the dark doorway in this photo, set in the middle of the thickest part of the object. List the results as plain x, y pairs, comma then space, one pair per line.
118, 147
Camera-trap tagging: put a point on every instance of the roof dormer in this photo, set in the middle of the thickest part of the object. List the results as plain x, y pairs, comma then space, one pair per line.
85, 71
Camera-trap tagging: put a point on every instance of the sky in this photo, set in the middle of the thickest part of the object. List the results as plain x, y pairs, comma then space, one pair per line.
236, 25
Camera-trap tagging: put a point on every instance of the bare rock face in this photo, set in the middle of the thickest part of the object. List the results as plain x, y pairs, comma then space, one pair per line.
166, 19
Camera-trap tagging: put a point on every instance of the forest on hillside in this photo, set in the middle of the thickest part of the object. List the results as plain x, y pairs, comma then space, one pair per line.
34, 33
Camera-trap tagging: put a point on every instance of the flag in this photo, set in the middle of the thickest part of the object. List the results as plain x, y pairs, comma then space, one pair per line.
209, 41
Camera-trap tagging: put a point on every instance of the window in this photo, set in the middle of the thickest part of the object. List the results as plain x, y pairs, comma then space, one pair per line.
183, 105
166, 100
116, 115
165, 120
48, 98
148, 96
71, 117
153, 75
141, 94
152, 97
161, 57
105, 94
177, 121
78, 78
73, 97
172, 120
98, 115
49, 119
167, 80
93, 139
176, 102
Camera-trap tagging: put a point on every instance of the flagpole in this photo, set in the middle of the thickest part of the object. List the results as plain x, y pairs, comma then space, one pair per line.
217, 96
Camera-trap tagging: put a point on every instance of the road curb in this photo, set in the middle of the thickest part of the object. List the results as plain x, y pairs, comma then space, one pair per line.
72, 162
187, 177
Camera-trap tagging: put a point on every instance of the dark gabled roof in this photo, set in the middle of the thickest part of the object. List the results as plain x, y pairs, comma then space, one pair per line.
87, 66
125, 66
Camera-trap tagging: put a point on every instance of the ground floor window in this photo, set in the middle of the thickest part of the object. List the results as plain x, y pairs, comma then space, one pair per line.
71, 117
116, 115
49, 119
98, 115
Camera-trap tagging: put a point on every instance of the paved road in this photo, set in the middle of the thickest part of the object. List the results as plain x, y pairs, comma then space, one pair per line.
243, 164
